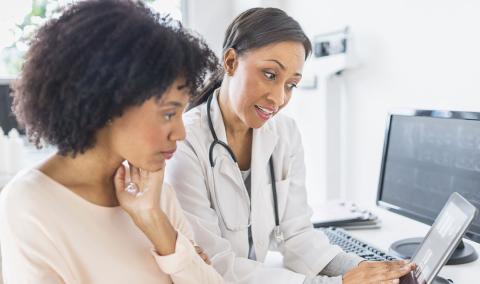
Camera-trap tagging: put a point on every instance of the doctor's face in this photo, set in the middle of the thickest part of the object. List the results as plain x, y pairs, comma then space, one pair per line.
262, 80
146, 135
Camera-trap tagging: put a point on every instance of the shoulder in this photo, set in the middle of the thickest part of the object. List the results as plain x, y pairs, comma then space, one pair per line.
27, 195
193, 118
196, 128
23, 189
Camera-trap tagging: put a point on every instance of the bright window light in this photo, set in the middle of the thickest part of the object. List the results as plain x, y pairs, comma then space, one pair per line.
19, 19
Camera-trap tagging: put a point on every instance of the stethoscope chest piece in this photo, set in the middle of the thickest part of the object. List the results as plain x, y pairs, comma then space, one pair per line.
278, 235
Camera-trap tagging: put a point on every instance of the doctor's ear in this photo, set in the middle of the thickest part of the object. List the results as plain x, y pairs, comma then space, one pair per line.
230, 61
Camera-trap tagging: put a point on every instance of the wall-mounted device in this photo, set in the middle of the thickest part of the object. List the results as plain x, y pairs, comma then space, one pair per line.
322, 110
331, 43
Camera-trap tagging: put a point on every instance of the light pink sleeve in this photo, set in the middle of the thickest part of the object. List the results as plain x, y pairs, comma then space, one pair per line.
185, 265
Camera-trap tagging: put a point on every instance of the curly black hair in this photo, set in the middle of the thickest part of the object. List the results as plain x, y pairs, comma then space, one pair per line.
98, 58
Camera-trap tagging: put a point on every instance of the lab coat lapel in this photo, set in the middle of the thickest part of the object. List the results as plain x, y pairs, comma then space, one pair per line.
231, 171
264, 141
217, 118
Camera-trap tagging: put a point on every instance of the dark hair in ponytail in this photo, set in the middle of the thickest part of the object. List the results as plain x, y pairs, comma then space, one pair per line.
255, 28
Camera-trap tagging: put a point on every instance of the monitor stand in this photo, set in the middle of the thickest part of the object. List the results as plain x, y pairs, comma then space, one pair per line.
464, 253
441, 280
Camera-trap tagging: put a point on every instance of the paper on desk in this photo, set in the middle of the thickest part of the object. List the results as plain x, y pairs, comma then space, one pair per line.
338, 211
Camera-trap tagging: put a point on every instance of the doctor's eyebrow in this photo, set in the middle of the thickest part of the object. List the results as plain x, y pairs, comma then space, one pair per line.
283, 66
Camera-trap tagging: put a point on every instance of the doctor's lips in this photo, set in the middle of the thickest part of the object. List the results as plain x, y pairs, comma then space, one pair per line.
265, 112
168, 154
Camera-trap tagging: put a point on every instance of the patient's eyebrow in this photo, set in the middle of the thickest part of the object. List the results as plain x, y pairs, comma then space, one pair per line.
171, 104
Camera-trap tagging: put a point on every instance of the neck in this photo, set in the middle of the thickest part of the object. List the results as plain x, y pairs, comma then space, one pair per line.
234, 126
89, 174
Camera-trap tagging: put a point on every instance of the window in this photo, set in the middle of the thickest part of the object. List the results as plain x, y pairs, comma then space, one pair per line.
19, 19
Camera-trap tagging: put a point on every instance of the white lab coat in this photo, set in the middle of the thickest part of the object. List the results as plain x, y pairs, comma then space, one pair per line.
217, 204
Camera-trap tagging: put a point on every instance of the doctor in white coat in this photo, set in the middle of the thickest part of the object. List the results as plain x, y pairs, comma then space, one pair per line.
237, 145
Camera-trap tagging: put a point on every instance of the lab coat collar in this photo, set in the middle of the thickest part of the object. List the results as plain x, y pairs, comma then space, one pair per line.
217, 118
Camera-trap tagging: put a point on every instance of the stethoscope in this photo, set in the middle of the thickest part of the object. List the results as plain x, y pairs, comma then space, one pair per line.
277, 232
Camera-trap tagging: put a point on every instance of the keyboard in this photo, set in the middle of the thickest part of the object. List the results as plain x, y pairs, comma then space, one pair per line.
348, 243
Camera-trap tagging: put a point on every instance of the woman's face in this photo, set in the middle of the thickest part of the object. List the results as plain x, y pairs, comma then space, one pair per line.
146, 135
262, 80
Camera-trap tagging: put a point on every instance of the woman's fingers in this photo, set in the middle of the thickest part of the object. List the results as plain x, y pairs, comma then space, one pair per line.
135, 176
119, 178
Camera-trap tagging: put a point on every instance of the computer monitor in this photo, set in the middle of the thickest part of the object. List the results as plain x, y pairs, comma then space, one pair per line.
7, 119
427, 156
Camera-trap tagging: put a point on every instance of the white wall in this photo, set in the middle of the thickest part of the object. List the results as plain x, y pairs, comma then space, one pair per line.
414, 54
417, 54
210, 18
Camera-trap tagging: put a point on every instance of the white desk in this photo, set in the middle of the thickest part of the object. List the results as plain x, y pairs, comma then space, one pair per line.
395, 227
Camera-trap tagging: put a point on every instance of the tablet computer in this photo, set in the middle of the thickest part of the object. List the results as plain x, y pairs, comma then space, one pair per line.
441, 240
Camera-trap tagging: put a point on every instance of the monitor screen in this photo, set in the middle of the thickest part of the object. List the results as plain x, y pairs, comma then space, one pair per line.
427, 156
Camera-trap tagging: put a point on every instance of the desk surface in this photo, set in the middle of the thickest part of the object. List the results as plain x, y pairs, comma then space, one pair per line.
395, 227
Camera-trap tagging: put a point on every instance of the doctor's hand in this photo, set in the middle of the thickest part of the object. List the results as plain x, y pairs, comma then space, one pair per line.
369, 272
201, 253
139, 196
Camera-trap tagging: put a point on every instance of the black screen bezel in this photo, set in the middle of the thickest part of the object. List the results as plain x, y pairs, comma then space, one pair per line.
474, 236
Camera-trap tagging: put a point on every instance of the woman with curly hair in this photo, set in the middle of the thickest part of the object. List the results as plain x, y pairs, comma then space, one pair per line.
105, 83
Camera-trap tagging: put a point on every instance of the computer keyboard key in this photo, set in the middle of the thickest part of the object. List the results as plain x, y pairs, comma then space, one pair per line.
348, 243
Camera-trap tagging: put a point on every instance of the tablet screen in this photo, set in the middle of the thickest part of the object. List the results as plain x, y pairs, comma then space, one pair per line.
451, 222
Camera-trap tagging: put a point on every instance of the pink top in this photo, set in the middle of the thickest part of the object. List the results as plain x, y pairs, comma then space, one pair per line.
51, 235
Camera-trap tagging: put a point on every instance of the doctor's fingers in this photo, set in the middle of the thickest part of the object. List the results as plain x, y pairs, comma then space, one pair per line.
376, 272
202, 254
386, 265
391, 273
396, 267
